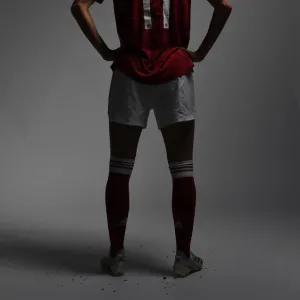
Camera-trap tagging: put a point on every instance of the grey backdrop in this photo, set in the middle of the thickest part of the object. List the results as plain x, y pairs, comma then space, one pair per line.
54, 159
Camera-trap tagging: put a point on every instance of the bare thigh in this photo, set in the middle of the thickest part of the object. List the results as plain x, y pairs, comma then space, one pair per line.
179, 140
124, 140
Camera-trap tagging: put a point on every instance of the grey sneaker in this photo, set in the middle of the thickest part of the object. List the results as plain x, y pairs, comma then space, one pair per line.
114, 265
184, 266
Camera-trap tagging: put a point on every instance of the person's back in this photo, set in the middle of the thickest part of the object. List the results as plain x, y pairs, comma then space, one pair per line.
152, 34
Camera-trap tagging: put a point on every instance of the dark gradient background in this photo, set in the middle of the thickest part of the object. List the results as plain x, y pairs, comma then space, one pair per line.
54, 159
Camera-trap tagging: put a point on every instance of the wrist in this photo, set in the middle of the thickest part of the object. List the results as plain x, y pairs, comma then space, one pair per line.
200, 53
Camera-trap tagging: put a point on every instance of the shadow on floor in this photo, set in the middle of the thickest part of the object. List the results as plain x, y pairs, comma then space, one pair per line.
21, 253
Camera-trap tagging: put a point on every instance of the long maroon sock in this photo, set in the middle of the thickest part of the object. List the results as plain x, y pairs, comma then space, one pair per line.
117, 201
183, 203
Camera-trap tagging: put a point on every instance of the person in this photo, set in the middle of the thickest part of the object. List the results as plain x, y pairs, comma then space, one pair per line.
152, 69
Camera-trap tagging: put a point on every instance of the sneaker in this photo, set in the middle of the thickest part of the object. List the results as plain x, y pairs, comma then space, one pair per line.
184, 266
114, 265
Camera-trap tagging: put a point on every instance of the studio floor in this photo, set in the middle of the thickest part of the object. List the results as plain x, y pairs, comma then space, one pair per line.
249, 257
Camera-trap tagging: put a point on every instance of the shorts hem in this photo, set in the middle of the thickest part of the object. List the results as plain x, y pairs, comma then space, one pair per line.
127, 123
190, 118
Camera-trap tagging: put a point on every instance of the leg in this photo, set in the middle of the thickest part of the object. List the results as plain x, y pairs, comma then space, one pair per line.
124, 140
179, 140
123, 147
128, 115
175, 114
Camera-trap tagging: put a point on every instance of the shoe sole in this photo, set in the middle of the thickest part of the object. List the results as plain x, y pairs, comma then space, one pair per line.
106, 268
181, 272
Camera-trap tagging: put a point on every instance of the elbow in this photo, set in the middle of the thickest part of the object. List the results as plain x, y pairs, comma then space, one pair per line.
76, 5
75, 8
226, 5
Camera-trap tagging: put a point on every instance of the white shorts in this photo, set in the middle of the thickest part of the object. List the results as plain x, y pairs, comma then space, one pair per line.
130, 102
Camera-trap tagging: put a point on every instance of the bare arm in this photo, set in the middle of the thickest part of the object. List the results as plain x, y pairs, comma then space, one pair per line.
81, 13
222, 11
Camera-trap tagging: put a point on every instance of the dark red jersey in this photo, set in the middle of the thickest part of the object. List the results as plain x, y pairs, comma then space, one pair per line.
151, 33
